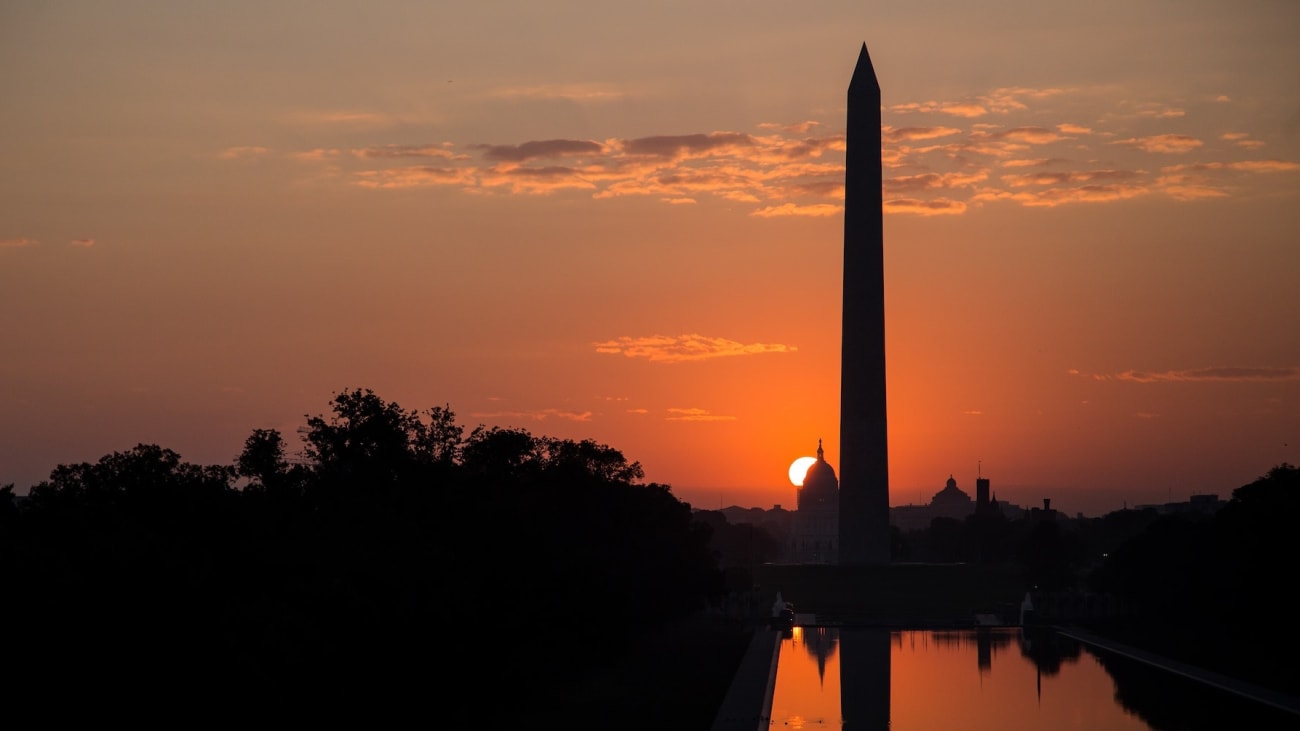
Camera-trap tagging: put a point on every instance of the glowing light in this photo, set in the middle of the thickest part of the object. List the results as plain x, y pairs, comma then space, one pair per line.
799, 470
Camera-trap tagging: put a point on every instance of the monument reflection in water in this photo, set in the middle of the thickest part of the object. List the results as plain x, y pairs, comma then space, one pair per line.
986, 679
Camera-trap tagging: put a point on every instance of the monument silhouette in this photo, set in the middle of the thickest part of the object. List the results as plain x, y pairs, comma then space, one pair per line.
864, 443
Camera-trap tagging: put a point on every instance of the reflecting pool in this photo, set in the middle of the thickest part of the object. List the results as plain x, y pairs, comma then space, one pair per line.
985, 679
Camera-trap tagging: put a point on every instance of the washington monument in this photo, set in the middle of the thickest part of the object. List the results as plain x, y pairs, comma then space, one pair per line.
864, 440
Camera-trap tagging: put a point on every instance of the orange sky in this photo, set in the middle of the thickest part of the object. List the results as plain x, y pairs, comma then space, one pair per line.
625, 224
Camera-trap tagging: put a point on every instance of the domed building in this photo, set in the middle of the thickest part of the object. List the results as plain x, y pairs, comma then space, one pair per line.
951, 502
815, 524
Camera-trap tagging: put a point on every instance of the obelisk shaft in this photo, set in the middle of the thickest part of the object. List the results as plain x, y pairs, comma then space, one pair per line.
864, 440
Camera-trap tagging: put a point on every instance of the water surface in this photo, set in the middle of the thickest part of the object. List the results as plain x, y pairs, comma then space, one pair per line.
985, 680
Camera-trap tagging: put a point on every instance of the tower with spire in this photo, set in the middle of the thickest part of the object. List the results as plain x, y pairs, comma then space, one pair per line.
864, 438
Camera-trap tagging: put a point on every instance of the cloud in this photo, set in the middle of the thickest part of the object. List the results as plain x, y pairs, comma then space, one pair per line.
17, 243
816, 210
1008, 99
540, 149
1040, 162
1184, 188
442, 151
1029, 135
242, 153
1169, 144
1053, 197
83, 243
930, 181
1090, 176
1160, 111
581, 93
907, 134
681, 348
972, 412
538, 415
787, 170
414, 177
677, 414
688, 146
536, 180
801, 128
638, 411
1249, 166
964, 110
317, 154
1234, 374
1242, 139
936, 207
956, 109
1221, 374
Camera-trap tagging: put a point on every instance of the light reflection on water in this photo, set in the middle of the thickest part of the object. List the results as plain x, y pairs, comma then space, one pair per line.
985, 679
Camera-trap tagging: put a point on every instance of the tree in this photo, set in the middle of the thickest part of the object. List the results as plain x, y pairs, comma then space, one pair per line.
263, 459
366, 445
440, 441
497, 455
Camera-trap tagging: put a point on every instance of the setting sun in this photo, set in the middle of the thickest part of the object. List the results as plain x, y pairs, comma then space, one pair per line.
799, 470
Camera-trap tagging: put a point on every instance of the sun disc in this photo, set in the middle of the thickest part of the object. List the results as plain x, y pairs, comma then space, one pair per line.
799, 470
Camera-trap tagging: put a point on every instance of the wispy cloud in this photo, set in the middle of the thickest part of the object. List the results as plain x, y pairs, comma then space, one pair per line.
912, 134
1087, 176
17, 243
940, 166
968, 110
581, 93
243, 152
1160, 111
935, 207
1249, 166
1052, 197
1167, 144
317, 154
443, 151
681, 348
693, 414
1242, 139
540, 149
536, 415
689, 146
815, 210
83, 243
412, 177
801, 128
1234, 374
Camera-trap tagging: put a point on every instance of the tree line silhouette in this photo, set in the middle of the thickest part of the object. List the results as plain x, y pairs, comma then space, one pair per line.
399, 553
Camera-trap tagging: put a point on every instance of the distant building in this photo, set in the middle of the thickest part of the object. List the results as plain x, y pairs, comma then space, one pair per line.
1196, 504
950, 502
983, 503
815, 523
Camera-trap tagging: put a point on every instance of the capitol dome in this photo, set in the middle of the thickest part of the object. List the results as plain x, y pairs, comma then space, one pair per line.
821, 489
950, 494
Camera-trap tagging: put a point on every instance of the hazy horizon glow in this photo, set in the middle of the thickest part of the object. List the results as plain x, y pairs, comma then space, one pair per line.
625, 224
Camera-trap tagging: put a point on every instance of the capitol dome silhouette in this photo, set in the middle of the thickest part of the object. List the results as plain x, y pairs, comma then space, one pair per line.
821, 489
